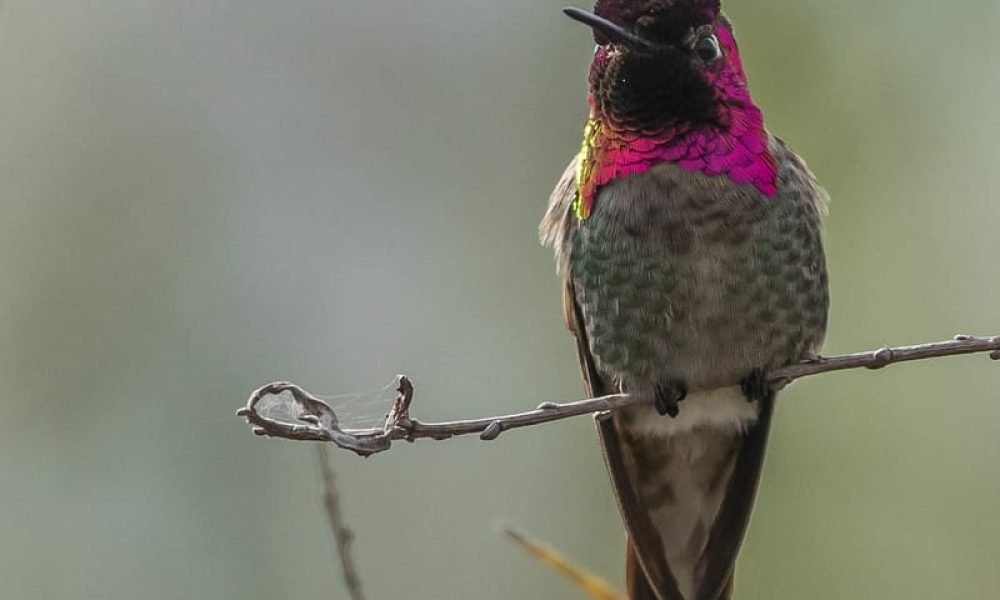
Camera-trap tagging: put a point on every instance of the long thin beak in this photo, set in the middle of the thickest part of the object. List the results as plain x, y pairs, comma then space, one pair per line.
615, 33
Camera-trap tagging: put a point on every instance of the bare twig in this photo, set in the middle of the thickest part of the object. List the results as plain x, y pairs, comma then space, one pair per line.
316, 421
341, 534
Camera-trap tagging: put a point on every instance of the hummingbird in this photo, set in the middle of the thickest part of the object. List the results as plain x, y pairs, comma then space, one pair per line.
689, 242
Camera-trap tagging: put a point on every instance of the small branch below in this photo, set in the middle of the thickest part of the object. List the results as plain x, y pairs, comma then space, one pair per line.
341, 534
315, 420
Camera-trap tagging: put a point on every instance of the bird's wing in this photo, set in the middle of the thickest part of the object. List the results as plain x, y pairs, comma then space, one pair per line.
645, 559
643, 540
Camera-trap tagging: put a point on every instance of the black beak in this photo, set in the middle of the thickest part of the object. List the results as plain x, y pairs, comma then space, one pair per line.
614, 33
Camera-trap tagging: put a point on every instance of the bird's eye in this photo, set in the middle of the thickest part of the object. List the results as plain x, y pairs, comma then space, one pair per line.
707, 48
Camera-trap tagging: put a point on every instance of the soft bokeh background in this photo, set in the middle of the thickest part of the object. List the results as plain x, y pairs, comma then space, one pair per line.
198, 197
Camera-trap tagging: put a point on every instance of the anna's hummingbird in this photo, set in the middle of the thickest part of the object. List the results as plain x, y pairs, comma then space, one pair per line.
689, 241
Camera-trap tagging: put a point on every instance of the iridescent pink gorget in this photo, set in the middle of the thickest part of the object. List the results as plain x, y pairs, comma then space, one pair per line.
736, 145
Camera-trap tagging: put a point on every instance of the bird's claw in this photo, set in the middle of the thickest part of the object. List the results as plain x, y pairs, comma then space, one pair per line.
667, 395
756, 386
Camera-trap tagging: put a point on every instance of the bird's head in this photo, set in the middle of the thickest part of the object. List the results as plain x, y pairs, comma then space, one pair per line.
663, 62
667, 85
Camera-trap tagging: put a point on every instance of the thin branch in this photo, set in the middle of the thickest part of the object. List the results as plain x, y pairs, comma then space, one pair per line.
317, 421
596, 588
341, 534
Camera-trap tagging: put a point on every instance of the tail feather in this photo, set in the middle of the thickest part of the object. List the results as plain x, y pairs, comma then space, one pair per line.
719, 559
636, 584
645, 560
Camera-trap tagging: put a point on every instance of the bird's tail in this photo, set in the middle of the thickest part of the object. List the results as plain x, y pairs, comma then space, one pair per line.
686, 503
637, 586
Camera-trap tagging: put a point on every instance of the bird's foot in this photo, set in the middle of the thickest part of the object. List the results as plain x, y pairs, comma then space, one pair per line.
668, 394
755, 386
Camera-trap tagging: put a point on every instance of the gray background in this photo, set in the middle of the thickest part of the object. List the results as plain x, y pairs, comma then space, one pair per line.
198, 197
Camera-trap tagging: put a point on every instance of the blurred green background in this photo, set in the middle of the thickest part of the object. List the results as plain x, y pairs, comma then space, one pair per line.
199, 197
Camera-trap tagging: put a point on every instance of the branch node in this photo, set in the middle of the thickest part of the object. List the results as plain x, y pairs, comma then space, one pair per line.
492, 431
995, 355
881, 358
547, 406
399, 415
